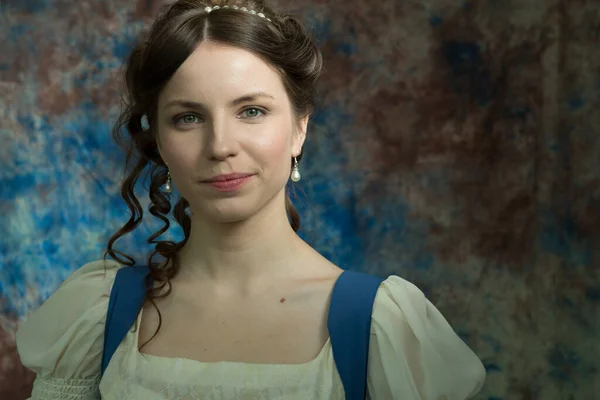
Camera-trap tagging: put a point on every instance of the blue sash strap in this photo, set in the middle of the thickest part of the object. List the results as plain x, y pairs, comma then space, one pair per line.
349, 325
126, 300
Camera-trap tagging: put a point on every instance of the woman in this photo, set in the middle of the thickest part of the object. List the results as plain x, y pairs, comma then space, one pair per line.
219, 98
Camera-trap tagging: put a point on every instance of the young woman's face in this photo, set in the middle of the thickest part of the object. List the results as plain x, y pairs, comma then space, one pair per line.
226, 111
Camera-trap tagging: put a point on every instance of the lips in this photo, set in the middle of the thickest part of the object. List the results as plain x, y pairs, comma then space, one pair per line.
229, 183
228, 177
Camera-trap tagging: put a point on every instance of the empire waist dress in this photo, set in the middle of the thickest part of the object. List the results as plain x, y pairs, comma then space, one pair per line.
414, 354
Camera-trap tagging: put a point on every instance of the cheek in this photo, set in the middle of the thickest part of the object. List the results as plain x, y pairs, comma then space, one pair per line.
274, 150
179, 154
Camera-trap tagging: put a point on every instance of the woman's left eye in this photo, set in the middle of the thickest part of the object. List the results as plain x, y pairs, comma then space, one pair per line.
253, 112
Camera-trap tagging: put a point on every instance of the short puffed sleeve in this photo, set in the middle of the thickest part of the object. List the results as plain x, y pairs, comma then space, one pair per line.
414, 353
62, 340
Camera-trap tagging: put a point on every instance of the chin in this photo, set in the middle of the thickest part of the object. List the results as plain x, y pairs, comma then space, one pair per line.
228, 217
240, 207
226, 212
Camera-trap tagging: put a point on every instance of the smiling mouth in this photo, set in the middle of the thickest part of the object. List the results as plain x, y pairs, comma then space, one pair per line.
228, 183
225, 178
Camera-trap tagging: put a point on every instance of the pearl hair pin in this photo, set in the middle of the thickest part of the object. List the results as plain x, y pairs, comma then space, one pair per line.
209, 9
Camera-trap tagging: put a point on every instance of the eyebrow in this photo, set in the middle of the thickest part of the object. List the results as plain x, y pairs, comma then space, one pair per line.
244, 99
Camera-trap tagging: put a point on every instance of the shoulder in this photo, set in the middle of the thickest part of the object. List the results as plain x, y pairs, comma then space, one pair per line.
64, 336
396, 299
410, 337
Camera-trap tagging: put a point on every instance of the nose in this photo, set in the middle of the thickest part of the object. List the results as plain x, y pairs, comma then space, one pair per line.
221, 142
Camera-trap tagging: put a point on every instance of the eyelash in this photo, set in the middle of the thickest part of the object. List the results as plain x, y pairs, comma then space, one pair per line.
177, 119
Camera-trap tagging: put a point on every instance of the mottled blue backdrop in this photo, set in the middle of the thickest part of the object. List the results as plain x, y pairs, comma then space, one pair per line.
457, 144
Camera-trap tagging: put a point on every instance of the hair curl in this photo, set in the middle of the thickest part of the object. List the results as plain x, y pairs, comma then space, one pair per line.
179, 28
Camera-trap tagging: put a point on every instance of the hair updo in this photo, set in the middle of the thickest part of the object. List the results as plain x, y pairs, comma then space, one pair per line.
278, 38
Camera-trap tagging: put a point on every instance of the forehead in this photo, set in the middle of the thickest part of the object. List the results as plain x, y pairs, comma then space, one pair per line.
216, 72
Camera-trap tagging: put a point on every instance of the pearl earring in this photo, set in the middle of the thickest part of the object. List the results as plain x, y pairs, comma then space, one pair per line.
168, 187
296, 171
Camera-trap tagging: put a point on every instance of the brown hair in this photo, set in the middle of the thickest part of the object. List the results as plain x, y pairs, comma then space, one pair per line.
282, 42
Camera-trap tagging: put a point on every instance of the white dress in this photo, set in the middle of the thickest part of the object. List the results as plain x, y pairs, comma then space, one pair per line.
414, 354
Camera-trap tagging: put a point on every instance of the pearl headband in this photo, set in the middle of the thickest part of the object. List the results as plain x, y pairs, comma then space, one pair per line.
209, 9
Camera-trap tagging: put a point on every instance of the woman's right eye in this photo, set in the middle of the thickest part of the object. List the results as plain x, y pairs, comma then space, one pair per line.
186, 119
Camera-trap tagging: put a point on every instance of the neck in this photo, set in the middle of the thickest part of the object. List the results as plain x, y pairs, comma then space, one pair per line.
242, 253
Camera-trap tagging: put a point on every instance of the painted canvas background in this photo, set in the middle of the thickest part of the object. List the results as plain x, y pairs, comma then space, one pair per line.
457, 144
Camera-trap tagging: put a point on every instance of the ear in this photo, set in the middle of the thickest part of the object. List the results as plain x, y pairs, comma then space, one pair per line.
300, 136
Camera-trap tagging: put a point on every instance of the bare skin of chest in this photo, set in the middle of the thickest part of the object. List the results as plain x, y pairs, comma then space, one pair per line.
279, 326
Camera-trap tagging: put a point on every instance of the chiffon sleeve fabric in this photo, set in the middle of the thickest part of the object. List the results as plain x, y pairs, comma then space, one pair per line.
62, 341
414, 353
